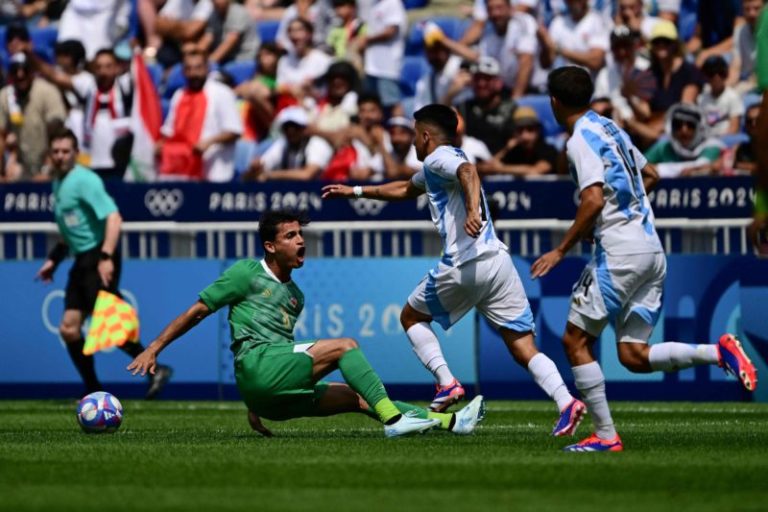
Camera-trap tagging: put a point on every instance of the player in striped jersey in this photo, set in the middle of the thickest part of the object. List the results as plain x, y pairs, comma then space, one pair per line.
623, 282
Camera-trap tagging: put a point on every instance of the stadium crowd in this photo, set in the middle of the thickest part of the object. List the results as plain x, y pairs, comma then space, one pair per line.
221, 90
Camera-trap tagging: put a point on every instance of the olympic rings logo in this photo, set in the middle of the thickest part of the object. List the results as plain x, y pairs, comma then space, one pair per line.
365, 206
163, 202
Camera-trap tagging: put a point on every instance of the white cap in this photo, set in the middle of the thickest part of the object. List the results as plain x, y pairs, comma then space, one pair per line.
486, 66
295, 115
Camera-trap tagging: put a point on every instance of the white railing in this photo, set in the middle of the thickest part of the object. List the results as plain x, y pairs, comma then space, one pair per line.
365, 238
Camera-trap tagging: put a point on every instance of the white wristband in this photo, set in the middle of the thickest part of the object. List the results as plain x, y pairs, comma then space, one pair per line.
357, 190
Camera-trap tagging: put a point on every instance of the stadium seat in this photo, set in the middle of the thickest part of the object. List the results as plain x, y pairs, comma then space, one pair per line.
44, 38
453, 27
240, 71
268, 30
175, 80
734, 139
415, 4
686, 21
156, 72
540, 103
413, 68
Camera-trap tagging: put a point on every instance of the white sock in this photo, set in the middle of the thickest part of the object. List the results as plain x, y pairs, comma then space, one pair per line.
672, 356
427, 348
544, 372
591, 384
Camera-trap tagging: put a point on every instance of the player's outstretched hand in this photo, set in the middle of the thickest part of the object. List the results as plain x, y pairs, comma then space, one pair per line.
256, 424
144, 362
45, 274
331, 191
545, 263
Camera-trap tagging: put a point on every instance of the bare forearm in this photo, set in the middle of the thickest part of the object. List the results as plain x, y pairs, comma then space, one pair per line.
392, 191
227, 45
470, 183
112, 233
650, 177
523, 74
462, 50
180, 326
593, 59
582, 225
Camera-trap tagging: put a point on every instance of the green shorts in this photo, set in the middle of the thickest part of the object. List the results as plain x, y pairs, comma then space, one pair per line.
275, 380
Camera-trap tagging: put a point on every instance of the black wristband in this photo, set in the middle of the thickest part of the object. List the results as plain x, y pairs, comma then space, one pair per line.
58, 253
104, 255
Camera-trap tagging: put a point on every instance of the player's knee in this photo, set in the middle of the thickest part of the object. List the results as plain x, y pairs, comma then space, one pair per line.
69, 333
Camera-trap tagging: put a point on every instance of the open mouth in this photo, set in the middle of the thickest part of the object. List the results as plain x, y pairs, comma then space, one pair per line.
301, 252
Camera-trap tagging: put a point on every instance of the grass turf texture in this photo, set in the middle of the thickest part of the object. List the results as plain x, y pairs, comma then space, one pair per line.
203, 456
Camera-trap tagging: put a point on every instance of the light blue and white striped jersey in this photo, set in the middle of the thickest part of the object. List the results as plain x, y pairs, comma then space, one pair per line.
601, 152
446, 204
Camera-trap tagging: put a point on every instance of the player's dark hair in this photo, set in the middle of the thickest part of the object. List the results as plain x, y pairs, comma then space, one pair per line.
441, 116
62, 133
270, 220
572, 86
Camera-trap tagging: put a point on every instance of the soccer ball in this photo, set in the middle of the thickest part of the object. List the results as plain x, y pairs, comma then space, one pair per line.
99, 412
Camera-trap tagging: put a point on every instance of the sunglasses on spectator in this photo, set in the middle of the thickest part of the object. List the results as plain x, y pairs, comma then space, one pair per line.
663, 41
678, 124
529, 128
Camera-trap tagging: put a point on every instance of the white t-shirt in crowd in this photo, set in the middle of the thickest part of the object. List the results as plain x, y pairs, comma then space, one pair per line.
319, 14
475, 149
655, 7
588, 33
720, 110
316, 152
433, 85
187, 10
293, 70
520, 38
221, 115
480, 11
385, 60
96, 24
104, 117
744, 48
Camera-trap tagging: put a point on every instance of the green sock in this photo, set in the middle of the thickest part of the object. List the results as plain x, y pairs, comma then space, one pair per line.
420, 412
360, 376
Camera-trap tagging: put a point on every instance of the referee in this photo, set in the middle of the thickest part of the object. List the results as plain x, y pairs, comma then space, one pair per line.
89, 224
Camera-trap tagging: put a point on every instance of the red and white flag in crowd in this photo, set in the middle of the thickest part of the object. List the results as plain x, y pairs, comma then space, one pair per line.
146, 119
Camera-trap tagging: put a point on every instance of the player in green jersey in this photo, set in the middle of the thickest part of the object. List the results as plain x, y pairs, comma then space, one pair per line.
280, 378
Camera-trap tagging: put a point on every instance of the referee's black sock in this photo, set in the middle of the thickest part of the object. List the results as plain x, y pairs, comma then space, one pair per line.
132, 349
84, 365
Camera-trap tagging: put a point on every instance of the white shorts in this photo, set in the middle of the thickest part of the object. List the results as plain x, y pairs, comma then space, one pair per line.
490, 283
626, 290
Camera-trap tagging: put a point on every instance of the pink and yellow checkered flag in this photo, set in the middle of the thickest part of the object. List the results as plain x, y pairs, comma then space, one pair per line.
113, 323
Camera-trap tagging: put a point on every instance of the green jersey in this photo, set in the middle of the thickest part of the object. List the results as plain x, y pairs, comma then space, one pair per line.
261, 308
663, 152
81, 209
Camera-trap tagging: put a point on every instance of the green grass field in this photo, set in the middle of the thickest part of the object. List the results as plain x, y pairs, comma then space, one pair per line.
202, 456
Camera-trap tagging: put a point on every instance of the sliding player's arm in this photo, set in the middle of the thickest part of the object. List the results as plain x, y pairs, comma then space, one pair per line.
470, 183
591, 205
147, 360
392, 191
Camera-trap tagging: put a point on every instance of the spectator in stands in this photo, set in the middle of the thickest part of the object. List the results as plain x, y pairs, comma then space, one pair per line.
722, 105
70, 59
296, 155
107, 96
399, 156
677, 81
258, 95
30, 109
301, 66
626, 80
475, 149
746, 154
335, 110
178, 22
526, 153
383, 44
479, 15
488, 115
742, 68
17, 39
434, 85
688, 151
230, 35
15, 11
319, 13
367, 138
577, 37
199, 134
715, 24
343, 35
510, 39
630, 14
97, 25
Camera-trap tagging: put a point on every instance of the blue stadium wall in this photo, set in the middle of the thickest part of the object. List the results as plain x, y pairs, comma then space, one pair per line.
361, 298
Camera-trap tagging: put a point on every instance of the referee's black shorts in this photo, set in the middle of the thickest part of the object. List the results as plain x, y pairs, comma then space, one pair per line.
84, 281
